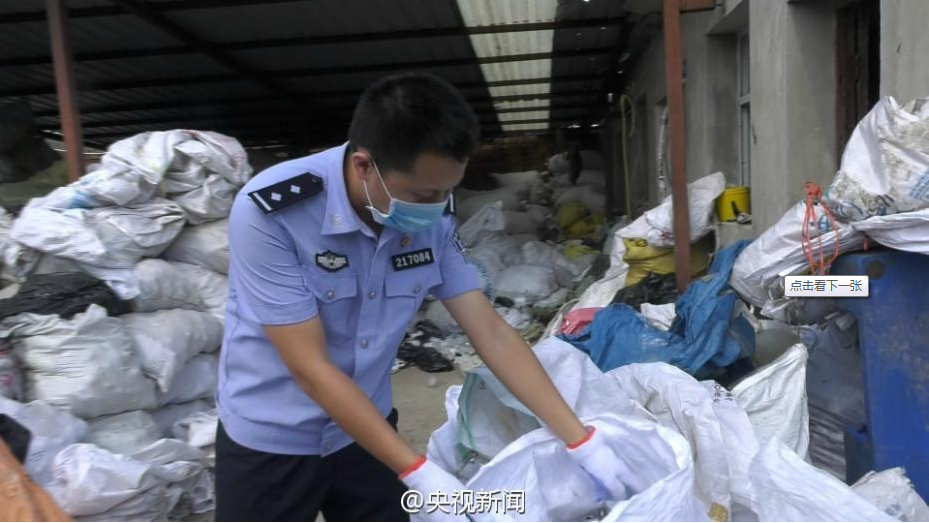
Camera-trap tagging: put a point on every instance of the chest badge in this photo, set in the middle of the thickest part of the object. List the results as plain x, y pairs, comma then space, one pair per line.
405, 241
409, 260
331, 261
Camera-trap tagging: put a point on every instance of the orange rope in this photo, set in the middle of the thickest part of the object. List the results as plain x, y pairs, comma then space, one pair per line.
814, 195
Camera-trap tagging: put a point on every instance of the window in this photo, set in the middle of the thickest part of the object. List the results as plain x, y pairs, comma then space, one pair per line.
745, 112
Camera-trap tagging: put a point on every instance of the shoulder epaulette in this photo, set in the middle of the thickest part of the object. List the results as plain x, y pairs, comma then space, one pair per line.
282, 194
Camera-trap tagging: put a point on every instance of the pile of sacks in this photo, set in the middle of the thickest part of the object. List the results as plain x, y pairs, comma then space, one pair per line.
121, 405
700, 451
579, 204
880, 191
530, 259
641, 275
649, 240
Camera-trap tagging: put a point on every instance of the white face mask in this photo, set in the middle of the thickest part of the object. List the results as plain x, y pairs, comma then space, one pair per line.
405, 216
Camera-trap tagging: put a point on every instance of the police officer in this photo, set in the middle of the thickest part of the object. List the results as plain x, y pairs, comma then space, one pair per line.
331, 256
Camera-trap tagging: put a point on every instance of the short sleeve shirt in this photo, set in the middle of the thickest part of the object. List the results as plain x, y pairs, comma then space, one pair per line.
316, 258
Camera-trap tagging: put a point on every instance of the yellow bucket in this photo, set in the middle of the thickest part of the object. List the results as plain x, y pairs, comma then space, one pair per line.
732, 202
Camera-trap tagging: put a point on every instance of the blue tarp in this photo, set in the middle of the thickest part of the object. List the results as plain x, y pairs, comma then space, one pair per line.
704, 336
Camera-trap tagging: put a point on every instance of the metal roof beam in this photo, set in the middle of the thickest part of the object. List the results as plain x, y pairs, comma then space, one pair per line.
228, 119
304, 41
283, 128
323, 71
177, 104
473, 100
161, 7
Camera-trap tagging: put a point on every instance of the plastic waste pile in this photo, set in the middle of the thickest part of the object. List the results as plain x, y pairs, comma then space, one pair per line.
879, 192
878, 196
536, 242
701, 451
113, 321
635, 312
731, 400
706, 336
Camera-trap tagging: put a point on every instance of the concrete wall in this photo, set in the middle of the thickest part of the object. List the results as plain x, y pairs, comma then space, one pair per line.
710, 98
904, 49
793, 103
793, 92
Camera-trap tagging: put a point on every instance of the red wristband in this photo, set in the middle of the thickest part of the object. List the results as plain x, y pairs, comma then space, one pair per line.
414, 467
583, 440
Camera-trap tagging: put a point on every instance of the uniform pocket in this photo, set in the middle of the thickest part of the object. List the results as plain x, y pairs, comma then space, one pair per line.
407, 289
336, 297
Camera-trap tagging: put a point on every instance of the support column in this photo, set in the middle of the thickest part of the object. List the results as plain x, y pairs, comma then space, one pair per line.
675, 94
64, 85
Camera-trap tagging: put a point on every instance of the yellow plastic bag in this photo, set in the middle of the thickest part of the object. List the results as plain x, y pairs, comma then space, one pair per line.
591, 228
574, 251
643, 258
571, 213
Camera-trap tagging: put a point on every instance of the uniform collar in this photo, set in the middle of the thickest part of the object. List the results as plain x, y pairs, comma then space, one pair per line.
340, 216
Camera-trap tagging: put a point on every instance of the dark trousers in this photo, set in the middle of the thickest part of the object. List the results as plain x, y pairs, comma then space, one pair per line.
348, 485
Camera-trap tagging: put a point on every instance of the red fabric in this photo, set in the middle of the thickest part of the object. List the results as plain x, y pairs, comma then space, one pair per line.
575, 321
414, 467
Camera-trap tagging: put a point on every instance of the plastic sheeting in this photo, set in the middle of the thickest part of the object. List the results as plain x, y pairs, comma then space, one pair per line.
94, 484
892, 492
725, 465
167, 416
64, 294
86, 364
206, 245
520, 178
133, 169
775, 399
52, 430
789, 489
681, 403
166, 340
211, 287
197, 380
778, 252
593, 199
657, 225
559, 490
704, 336
661, 316
490, 417
906, 231
508, 198
123, 433
112, 237
162, 285
885, 166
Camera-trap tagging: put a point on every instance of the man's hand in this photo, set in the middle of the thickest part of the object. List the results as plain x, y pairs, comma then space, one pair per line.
512, 361
607, 470
427, 477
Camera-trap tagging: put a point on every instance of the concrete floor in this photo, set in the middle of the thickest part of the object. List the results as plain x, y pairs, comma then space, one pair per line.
419, 397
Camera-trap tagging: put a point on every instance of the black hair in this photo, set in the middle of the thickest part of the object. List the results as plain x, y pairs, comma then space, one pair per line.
402, 116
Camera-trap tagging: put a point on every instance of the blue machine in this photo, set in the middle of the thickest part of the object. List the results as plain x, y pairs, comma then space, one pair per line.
893, 334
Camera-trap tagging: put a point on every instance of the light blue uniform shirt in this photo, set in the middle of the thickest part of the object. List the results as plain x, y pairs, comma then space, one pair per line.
315, 257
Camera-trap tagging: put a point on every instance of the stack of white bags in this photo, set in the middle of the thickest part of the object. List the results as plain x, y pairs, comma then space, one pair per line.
121, 408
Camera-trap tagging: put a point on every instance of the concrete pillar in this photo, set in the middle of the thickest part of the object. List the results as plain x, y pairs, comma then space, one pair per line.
904, 49
793, 103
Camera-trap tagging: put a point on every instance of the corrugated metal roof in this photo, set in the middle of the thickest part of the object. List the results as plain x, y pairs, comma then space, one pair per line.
133, 74
490, 12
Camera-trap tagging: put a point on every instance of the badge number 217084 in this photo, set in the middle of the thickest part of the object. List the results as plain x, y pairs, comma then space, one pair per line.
413, 259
